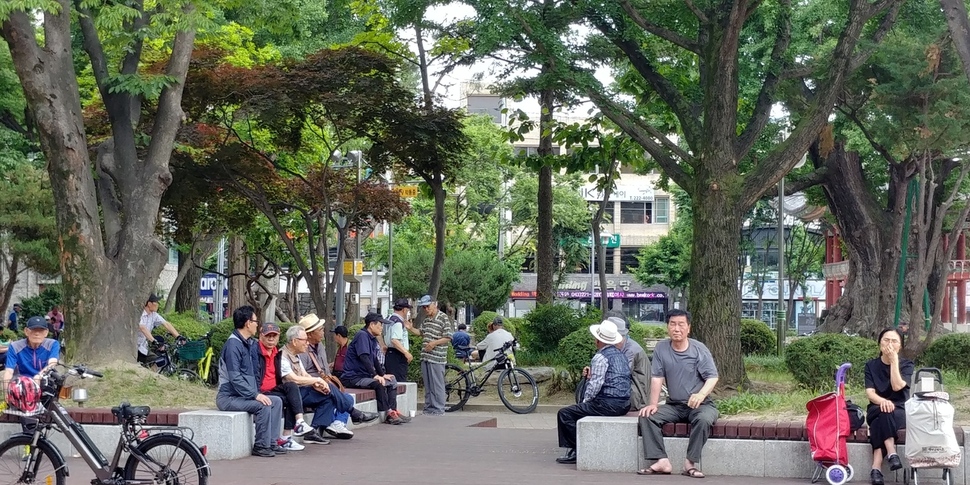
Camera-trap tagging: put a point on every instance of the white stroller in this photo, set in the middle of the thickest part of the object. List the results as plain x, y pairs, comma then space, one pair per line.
930, 441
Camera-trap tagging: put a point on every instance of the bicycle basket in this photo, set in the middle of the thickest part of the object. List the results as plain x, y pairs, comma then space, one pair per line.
192, 350
23, 397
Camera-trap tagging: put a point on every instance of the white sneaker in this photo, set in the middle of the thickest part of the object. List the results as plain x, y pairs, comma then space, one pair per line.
301, 428
291, 445
339, 430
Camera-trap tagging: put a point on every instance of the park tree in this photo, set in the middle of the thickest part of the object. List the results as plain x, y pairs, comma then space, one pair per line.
896, 177
711, 72
108, 189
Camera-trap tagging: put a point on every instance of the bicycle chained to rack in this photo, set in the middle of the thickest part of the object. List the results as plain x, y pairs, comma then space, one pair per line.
516, 388
156, 454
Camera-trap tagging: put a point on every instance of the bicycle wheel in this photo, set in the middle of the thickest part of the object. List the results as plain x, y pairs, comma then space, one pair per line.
42, 469
456, 387
186, 375
169, 459
518, 391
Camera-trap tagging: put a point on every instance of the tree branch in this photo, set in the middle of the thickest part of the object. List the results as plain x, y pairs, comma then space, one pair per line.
663, 33
697, 12
868, 134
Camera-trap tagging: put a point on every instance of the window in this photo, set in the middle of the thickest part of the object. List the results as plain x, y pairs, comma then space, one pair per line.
628, 259
636, 212
661, 210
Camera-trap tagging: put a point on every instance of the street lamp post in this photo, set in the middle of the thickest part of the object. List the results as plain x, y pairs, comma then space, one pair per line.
782, 322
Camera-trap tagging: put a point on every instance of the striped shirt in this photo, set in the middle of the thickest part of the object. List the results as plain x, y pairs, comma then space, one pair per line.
434, 329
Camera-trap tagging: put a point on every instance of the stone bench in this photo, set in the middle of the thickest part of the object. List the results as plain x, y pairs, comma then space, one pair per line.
736, 448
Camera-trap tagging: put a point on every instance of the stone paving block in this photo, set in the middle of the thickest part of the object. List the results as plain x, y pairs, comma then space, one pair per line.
227, 434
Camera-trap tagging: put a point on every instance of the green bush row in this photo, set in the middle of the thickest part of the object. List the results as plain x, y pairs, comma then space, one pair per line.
757, 338
951, 353
813, 360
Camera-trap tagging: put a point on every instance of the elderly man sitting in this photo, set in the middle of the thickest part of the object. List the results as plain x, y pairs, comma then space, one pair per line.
608, 391
317, 393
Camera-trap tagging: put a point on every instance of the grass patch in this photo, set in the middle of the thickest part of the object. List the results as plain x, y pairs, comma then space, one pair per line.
139, 386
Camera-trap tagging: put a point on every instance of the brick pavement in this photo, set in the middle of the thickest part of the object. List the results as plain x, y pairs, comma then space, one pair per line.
442, 450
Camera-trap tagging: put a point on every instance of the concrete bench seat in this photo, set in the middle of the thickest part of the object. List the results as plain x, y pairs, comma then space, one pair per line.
736, 448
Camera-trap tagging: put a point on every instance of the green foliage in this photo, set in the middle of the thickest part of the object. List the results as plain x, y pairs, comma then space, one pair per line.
756, 337
547, 325
477, 277
41, 304
765, 363
527, 358
748, 402
640, 331
576, 350
480, 324
8, 335
813, 360
949, 353
667, 261
220, 333
28, 230
353, 329
187, 324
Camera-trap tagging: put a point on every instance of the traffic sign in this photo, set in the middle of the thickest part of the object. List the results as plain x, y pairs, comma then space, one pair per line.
407, 191
608, 240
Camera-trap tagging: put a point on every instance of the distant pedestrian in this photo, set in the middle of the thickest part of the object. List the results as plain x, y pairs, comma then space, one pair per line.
14, 318
461, 341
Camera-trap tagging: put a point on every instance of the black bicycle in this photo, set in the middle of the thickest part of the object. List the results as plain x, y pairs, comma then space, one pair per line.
516, 387
154, 455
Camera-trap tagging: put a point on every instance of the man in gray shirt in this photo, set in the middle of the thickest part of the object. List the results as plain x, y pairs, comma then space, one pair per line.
690, 373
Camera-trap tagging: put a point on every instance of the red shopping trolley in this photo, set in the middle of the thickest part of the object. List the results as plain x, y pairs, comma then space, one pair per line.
828, 430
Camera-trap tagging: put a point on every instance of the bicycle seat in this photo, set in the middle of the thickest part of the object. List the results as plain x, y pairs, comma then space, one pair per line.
126, 411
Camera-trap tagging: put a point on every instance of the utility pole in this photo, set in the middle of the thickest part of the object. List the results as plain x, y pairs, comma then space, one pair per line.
782, 323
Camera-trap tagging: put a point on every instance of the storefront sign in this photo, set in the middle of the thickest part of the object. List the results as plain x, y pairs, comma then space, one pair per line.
649, 295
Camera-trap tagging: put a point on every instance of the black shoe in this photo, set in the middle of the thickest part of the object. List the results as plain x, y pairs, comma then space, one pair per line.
875, 477
279, 450
568, 458
316, 438
263, 451
894, 463
359, 416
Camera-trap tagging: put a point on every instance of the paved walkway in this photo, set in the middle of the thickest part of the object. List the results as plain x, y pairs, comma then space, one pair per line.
432, 450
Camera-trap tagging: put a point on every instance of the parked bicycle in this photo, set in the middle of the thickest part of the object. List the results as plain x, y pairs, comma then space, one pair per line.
167, 360
196, 355
155, 454
516, 387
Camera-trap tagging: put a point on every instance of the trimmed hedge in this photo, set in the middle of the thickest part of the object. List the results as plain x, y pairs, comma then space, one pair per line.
949, 352
576, 350
813, 360
547, 325
756, 337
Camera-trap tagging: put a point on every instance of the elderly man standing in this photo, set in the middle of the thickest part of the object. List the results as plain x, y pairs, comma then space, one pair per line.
436, 336
608, 391
238, 389
687, 367
314, 360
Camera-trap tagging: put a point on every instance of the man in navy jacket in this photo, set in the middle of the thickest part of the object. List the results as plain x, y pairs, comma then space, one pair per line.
238, 389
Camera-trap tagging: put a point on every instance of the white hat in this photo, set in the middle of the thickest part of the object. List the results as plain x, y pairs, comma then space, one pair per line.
606, 332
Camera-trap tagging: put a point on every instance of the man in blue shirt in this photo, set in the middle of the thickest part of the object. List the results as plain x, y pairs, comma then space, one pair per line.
363, 369
14, 317
32, 354
461, 341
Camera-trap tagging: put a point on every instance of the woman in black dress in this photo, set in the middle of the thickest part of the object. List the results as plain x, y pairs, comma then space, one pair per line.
887, 387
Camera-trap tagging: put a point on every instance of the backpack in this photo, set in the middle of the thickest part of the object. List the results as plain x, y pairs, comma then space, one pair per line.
395, 319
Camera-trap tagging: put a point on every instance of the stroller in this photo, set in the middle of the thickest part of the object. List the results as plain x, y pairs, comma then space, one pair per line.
828, 429
930, 441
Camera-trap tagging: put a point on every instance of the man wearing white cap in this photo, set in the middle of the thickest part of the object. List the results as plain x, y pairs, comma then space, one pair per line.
608, 391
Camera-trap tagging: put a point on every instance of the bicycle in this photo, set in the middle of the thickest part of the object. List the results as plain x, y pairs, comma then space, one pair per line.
515, 385
197, 355
167, 360
205, 364
155, 454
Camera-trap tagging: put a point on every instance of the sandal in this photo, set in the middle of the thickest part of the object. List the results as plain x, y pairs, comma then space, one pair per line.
693, 473
651, 471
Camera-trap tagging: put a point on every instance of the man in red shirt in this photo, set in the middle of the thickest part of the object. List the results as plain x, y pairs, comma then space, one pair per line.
271, 383
340, 336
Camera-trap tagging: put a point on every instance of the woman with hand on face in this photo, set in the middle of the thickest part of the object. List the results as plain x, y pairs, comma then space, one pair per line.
887, 387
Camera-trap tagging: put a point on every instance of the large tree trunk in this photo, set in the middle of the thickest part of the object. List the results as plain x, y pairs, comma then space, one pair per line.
8, 279
715, 302
110, 255
440, 197
545, 245
238, 273
959, 25
871, 235
187, 292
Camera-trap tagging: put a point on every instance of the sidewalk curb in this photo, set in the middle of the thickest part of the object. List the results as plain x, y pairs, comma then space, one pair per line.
498, 407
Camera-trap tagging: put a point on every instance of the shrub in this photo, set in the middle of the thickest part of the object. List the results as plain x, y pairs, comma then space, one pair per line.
220, 333
8, 335
756, 337
353, 329
547, 325
576, 350
38, 306
187, 324
813, 360
480, 324
951, 353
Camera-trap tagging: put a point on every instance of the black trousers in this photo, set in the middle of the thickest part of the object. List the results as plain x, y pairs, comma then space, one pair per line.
569, 415
289, 392
883, 426
386, 394
396, 364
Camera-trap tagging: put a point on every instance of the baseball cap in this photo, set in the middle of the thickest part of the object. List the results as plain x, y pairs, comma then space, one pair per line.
341, 330
401, 303
425, 300
153, 298
37, 322
498, 321
375, 317
269, 327
17, 305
